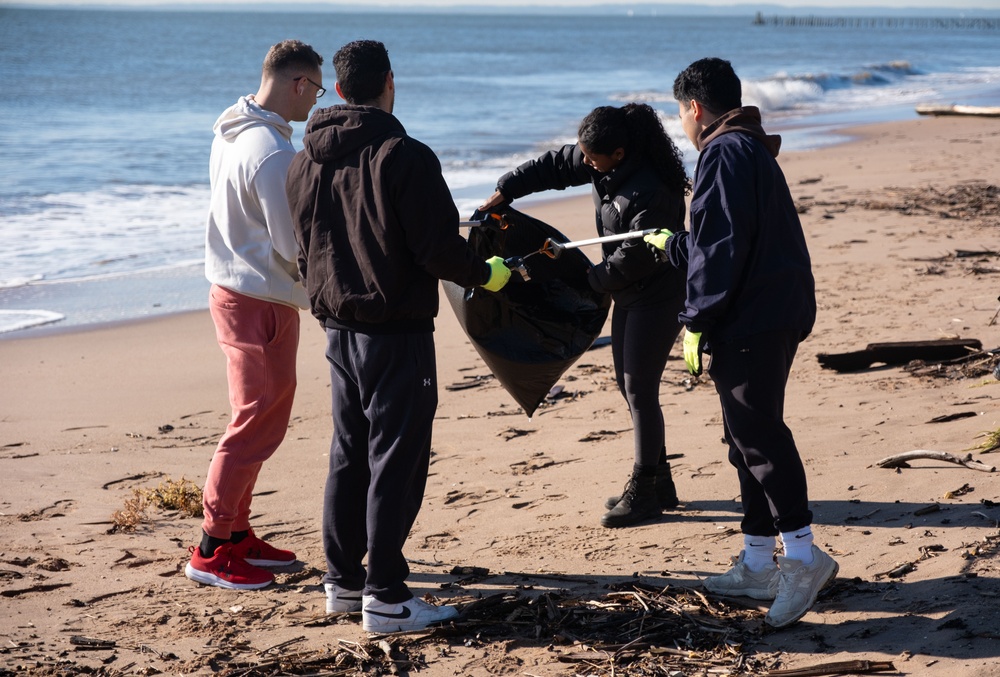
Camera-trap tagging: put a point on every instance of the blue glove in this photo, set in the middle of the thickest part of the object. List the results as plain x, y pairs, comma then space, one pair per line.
692, 351
657, 243
499, 274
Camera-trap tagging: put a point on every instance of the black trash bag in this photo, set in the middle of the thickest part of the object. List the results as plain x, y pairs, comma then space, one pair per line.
532, 331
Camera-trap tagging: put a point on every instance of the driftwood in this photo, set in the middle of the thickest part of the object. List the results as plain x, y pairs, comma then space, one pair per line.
900, 460
899, 352
980, 111
836, 668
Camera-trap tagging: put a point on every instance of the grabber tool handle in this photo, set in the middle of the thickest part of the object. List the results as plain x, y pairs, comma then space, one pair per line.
501, 223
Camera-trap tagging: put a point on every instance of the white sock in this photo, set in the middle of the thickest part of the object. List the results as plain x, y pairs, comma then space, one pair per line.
798, 544
758, 552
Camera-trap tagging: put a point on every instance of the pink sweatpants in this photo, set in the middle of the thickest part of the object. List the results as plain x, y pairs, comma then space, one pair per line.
260, 340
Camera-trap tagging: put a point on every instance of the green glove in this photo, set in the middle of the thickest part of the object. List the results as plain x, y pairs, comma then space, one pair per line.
658, 240
692, 351
499, 274
657, 243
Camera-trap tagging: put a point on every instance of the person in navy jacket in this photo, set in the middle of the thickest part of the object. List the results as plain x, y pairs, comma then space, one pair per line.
750, 302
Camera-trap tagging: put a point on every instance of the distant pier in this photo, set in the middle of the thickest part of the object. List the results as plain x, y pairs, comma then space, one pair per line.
962, 23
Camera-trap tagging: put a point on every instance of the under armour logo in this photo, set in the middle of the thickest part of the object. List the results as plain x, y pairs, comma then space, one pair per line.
427, 382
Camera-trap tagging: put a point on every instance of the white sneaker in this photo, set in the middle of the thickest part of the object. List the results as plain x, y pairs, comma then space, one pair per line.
741, 582
341, 600
413, 614
798, 586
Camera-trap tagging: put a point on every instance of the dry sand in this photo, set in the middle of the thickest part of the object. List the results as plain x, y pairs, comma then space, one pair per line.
88, 417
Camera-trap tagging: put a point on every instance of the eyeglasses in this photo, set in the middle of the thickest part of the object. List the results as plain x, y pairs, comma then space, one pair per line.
320, 90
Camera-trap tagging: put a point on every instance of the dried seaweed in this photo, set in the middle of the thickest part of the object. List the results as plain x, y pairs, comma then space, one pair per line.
632, 631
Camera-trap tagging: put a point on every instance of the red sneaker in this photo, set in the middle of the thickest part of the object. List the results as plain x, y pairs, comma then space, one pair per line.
260, 554
225, 569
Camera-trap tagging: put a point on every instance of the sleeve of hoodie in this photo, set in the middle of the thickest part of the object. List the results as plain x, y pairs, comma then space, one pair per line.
722, 213
632, 260
555, 170
269, 186
429, 218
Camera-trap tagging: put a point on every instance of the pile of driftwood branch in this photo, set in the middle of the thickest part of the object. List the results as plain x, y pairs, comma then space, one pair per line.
634, 631
974, 365
975, 200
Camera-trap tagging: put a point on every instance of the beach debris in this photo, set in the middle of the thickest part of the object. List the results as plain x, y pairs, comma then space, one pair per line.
974, 365
633, 630
89, 643
598, 435
927, 509
992, 442
958, 109
470, 382
835, 668
976, 201
182, 495
945, 418
902, 460
509, 434
899, 352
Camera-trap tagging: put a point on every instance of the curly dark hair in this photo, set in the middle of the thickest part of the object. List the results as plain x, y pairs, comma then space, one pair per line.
637, 128
361, 69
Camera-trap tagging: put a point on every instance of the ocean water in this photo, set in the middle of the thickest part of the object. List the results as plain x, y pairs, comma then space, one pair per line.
107, 117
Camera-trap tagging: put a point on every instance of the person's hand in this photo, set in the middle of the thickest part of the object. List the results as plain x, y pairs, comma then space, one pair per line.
499, 274
492, 202
657, 243
692, 351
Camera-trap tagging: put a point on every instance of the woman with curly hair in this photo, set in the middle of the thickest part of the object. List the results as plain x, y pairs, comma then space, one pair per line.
639, 183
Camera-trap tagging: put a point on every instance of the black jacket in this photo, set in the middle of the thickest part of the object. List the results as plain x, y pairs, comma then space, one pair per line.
748, 265
375, 222
630, 198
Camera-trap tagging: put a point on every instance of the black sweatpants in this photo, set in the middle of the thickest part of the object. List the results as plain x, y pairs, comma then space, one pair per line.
384, 390
750, 375
641, 339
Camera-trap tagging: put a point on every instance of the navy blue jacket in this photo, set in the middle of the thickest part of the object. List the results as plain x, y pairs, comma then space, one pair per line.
632, 197
748, 268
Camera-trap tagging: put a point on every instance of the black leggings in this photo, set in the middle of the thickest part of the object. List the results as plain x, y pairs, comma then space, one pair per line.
641, 339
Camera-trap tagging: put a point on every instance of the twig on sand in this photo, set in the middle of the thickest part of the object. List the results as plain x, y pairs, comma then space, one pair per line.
835, 668
900, 460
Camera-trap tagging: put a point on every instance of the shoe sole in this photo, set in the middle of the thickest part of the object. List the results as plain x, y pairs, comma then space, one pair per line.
615, 524
348, 609
752, 594
268, 562
211, 579
828, 581
386, 630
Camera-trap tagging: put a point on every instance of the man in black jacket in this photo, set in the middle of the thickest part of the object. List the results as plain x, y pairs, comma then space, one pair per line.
377, 228
750, 302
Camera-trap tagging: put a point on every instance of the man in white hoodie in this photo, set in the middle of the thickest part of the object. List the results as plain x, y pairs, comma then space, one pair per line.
256, 293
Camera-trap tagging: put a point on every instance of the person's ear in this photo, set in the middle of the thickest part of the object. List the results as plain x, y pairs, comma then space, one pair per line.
336, 86
619, 154
697, 109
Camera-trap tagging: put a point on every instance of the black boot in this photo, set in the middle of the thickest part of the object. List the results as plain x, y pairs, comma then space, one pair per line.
638, 502
666, 494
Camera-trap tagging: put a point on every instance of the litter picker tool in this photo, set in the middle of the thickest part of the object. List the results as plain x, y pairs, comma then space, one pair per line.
554, 249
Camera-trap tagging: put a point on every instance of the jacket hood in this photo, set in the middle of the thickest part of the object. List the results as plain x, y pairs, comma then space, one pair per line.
339, 131
247, 113
745, 120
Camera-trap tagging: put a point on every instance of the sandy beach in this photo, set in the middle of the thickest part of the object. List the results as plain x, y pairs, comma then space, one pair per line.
902, 223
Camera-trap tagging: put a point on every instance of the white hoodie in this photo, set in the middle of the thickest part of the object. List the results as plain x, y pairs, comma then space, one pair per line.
250, 246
